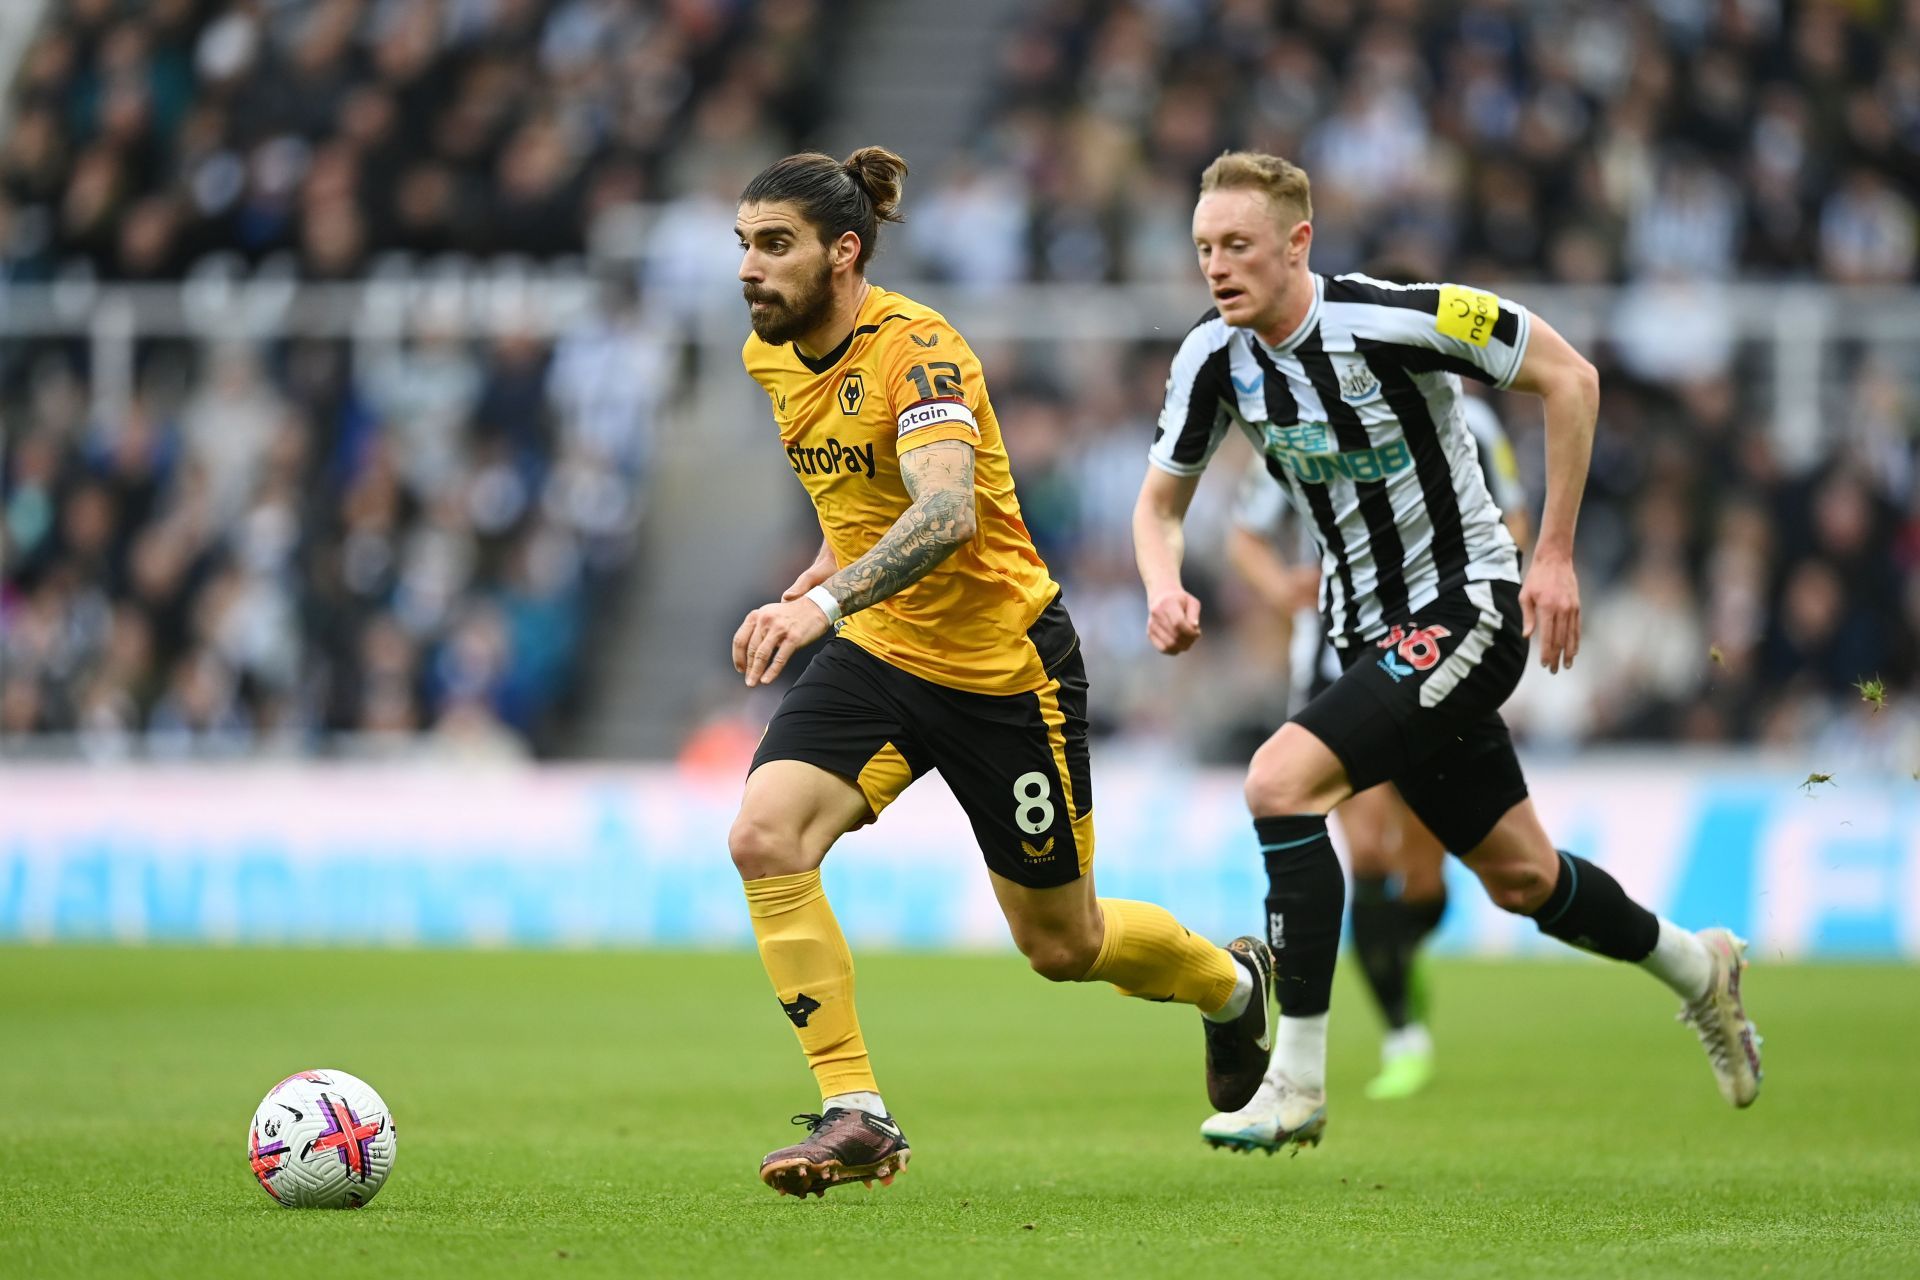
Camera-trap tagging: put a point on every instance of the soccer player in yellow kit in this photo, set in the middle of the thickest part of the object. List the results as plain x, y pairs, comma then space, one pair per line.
953, 653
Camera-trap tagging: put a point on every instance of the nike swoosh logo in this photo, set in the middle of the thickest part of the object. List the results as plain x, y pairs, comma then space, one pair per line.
1248, 388
284, 1107
885, 1126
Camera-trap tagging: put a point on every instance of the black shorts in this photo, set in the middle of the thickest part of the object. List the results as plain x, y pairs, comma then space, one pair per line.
1420, 708
1017, 763
1317, 668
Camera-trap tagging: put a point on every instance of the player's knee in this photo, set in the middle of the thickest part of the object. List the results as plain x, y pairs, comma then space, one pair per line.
1294, 772
1273, 788
761, 848
1060, 955
1270, 791
1519, 887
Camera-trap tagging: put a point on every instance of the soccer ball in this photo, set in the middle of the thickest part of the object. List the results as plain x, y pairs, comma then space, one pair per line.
321, 1140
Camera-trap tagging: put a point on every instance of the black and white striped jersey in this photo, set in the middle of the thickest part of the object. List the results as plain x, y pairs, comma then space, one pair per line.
1263, 509
1359, 413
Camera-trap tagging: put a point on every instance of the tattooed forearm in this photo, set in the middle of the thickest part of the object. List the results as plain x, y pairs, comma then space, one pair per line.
941, 520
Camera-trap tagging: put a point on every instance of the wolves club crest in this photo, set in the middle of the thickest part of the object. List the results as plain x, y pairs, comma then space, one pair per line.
800, 1008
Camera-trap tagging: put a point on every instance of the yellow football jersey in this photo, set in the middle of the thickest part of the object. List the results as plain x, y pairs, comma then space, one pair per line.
906, 378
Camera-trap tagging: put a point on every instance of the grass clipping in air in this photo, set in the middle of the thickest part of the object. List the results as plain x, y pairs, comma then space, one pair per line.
1873, 692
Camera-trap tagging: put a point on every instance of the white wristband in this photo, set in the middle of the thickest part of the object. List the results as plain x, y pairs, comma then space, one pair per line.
828, 605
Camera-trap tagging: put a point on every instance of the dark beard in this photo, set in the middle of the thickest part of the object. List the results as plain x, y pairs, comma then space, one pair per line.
808, 310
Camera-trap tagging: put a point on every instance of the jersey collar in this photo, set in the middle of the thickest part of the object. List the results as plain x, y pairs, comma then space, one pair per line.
839, 353
1306, 324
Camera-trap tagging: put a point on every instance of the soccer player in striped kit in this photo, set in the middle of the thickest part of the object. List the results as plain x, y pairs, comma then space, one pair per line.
1397, 865
1349, 389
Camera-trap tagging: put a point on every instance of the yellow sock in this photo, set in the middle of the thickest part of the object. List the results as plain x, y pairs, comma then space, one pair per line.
1147, 953
806, 956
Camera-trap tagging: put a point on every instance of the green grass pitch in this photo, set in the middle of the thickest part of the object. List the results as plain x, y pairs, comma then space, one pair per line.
604, 1114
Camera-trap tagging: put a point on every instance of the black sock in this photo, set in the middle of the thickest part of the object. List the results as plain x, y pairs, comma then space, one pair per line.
1387, 933
1418, 919
1589, 910
1377, 931
1306, 896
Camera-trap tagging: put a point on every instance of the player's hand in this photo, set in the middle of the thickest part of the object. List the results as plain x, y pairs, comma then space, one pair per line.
1173, 621
772, 634
1550, 604
810, 577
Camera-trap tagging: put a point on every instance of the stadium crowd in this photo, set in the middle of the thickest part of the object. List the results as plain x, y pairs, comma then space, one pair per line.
1586, 142
271, 544
309, 536
145, 137
276, 544
1732, 595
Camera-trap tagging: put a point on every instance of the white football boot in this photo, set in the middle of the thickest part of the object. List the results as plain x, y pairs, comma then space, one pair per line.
1732, 1045
1281, 1115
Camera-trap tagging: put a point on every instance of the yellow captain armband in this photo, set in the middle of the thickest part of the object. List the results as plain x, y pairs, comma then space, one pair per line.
1467, 314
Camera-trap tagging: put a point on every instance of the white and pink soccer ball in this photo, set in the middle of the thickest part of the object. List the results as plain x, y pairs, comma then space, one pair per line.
321, 1140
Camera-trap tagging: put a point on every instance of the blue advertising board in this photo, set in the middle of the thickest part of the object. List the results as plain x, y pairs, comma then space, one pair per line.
575, 856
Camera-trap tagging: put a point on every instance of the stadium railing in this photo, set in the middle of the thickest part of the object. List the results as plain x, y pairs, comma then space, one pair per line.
1797, 328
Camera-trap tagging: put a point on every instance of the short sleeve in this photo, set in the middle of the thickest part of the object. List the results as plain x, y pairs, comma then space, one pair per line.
1467, 330
935, 387
1196, 412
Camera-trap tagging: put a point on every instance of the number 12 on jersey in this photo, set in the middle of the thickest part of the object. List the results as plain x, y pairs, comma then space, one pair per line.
944, 384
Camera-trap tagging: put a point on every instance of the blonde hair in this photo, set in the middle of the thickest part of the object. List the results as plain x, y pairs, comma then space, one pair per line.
1283, 183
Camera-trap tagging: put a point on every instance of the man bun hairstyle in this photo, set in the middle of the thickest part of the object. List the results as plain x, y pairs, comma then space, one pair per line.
857, 194
1283, 183
879, 172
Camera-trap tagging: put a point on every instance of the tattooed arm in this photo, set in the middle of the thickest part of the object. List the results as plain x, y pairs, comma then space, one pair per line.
939, 477
941, 520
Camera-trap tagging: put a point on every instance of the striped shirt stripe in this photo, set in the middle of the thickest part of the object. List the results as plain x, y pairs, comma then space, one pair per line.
1360, 418
1384, 550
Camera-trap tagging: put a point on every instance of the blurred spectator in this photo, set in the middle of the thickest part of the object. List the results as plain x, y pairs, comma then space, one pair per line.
1867, 232
609, 380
